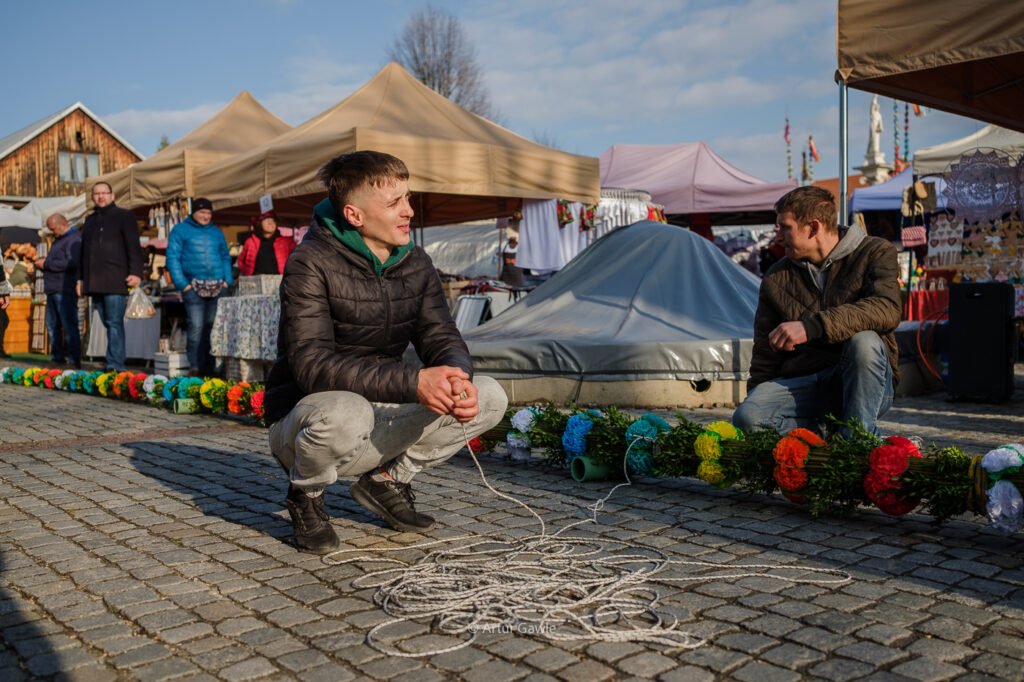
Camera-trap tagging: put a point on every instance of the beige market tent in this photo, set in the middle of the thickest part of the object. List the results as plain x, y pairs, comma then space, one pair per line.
963, 57
170, 173
462, 166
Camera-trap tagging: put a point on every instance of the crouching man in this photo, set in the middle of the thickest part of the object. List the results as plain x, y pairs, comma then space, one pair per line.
340, 400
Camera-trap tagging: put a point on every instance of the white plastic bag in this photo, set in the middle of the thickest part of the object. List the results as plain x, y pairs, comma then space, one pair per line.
139, 305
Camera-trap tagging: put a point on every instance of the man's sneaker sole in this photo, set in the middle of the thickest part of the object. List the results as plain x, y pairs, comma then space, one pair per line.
371, 505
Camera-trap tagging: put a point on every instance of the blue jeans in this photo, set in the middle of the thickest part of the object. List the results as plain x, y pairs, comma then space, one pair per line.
200, 313
860, 386
111, 308
62, 326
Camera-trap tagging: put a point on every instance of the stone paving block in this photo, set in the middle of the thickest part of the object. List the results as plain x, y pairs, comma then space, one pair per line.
332, 672
586, 671
928, 670
1000, 667
746, 643
141, 655
460, 660
873, 654
248, 669
764, 672
714, 658
166, 669
948, 628
550, 659
186, 632
52, 663
839, 669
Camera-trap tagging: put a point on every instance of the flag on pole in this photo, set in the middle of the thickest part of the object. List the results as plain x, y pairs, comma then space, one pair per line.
786, 134
917, 110
813, 149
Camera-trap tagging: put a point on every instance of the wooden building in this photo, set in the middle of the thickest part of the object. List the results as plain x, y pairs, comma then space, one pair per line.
53, 157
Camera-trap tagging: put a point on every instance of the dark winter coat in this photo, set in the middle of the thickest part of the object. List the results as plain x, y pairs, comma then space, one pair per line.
197, 251
60, 269
110, 251
344, 327
860, 293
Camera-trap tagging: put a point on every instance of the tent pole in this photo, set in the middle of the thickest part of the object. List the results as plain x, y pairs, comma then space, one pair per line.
844, 152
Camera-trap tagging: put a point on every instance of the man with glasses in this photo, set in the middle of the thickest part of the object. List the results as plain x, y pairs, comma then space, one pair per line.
111, 264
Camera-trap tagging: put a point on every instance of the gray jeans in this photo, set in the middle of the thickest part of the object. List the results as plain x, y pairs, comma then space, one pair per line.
337, 433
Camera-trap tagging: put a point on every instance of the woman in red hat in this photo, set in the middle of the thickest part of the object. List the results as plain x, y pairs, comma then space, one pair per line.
266, 250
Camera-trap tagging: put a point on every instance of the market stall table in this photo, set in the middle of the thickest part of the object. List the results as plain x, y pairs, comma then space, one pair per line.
245, 330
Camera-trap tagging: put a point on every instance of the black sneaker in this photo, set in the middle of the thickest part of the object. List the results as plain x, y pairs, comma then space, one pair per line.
392, 501
310, 521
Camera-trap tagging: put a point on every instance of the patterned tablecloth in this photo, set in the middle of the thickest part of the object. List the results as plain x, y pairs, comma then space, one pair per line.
246, 327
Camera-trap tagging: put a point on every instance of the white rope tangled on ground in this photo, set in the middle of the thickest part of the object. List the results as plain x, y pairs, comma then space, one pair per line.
552, 585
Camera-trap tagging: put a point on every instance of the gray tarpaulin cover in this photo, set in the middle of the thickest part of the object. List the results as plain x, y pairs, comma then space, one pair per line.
648, 301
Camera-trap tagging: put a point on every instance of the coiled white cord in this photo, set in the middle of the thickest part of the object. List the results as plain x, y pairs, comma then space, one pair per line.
555, 586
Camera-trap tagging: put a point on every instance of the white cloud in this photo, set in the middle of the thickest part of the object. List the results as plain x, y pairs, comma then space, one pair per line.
146, 123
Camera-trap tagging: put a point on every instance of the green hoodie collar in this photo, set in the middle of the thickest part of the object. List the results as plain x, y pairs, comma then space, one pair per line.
351, 238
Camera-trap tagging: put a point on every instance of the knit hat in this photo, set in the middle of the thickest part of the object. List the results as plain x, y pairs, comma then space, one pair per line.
201, 203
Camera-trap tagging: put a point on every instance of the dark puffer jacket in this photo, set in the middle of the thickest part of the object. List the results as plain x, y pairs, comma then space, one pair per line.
344, 329
861, 293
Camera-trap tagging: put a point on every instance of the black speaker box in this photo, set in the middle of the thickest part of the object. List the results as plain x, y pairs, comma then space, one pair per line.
982, 346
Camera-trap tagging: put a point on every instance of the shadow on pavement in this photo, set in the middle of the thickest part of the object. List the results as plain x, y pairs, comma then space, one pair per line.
235, 486
25, 651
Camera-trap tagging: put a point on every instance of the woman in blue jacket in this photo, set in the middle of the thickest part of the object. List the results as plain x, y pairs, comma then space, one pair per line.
200, 267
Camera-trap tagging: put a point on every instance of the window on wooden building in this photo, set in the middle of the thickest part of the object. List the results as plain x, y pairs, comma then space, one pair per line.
77, 166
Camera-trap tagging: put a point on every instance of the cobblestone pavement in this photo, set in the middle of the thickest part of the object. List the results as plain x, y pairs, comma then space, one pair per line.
136, 544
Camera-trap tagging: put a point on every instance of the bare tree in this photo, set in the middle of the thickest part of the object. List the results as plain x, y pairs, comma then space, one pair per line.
435, 49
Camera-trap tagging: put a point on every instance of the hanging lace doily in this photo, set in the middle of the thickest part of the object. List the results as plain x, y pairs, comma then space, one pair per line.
981, 186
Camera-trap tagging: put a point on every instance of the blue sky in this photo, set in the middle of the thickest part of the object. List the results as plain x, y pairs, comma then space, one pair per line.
583, 74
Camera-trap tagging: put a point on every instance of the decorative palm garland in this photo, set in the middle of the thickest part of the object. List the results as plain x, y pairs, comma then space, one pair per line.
830, 478
182, 394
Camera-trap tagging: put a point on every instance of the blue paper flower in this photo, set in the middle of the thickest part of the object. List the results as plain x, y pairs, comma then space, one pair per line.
574, 440
170, 389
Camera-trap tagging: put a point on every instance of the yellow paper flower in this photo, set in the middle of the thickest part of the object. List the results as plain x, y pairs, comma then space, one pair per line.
103, 382
207, 389
706, 447
726, 430
710, 472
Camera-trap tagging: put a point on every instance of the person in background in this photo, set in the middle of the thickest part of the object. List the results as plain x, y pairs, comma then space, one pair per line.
824, 340
111, 264
5, 299
340, 400
266, 249
200, 267
60, 276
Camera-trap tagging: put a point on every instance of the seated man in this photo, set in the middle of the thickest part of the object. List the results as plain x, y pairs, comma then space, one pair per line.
339, 400
823, 331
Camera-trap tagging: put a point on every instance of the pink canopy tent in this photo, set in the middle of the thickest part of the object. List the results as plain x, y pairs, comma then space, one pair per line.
695, 185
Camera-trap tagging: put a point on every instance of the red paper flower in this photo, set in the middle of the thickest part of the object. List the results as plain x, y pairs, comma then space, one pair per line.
887, 463
256, 402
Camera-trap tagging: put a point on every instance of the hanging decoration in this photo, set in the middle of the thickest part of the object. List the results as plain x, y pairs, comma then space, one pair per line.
789, 151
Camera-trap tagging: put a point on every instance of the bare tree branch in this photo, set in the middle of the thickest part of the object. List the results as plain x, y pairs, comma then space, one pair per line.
435, 49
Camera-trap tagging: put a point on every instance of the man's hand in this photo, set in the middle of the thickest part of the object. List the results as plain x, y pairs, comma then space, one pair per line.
40, 262
466, 408
78, 288
787, 336
434, 388
132, 281
4, 302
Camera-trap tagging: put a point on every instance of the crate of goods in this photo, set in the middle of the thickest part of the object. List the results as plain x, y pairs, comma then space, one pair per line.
170, 364
259, 285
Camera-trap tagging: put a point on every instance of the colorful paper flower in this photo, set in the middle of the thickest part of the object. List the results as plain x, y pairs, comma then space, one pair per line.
886, 464
708, 447
213, 395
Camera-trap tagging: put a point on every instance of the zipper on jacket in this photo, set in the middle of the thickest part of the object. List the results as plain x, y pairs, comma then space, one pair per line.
387, 305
